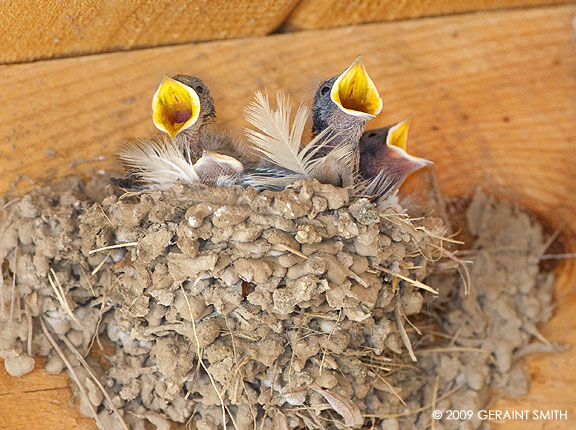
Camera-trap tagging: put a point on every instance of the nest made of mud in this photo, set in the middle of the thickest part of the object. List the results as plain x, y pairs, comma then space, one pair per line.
238, 307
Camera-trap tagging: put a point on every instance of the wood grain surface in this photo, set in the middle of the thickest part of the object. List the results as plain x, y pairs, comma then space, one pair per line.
312, 14
32, 30
38, 401
493, 98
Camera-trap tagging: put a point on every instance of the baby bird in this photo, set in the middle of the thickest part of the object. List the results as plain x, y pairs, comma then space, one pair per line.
183, 108
345, 103
384, 162
342, 106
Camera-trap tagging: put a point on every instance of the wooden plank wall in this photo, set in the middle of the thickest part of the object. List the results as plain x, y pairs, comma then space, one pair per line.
311, 14
493, 98
32, 30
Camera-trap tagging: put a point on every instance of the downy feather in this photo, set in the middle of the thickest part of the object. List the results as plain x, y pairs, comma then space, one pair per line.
280, 143
158, 161
343, 155
276, 140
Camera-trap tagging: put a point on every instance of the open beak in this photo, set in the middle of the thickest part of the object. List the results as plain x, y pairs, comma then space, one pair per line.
396, 142
355, 93
398, 134
175, 106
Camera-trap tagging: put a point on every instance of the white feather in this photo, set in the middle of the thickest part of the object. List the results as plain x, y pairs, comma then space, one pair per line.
280, 144
158, 161
228, 181
276, 140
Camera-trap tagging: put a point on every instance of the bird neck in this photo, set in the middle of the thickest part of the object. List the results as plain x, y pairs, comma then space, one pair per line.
189, 141
346, 128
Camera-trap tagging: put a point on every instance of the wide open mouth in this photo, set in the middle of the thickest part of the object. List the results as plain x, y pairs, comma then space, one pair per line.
175, 106
396, 140
398, 134
355, 93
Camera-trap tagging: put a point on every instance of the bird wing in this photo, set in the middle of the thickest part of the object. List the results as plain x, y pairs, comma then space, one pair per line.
217, 169
269, 178
341, 155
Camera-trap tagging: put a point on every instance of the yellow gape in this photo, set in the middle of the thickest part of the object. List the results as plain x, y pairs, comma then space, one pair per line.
355, 93
396, 140
398, 134
175, 106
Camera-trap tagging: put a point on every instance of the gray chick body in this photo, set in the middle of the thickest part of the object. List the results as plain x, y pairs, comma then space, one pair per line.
345, 129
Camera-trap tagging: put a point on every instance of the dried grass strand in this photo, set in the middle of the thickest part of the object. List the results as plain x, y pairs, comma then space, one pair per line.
82, 361
73, 374
291, 250
87, 281
392, 390
60, 296
411, 281
454, 349
97, 268
118, 245
198, 353
418, 410
398, 314
13, 283
30, 330
462, 268
434, 398
240, 371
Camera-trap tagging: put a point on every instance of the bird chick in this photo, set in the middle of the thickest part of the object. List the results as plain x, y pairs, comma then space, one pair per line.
384, 162
345, 103
182, 108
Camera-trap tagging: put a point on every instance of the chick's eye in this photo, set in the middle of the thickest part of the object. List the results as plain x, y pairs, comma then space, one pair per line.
199, 89
325, 90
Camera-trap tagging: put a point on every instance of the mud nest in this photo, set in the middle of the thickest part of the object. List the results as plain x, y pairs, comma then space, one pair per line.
253, 309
